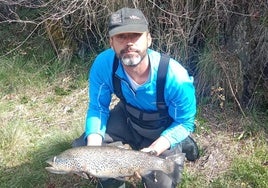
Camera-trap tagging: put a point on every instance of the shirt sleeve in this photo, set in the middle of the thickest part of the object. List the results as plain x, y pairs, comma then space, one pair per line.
181, 101
99, 95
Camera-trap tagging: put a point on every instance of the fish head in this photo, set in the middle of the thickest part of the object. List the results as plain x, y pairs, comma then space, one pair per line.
59, 165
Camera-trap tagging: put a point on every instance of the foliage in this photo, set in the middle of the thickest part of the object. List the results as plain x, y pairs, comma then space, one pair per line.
47, 47
45, 110
36, 121
223, 38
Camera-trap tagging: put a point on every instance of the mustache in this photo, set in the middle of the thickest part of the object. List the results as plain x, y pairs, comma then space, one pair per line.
129, 49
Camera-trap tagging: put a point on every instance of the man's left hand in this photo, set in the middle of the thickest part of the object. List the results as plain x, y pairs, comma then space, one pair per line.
158, 146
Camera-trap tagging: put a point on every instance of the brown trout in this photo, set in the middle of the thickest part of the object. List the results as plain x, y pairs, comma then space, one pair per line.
113, 162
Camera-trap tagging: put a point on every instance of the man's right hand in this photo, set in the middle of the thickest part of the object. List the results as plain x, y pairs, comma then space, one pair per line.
94, 140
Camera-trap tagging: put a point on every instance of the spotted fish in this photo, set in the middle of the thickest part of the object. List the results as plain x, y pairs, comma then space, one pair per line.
113, 162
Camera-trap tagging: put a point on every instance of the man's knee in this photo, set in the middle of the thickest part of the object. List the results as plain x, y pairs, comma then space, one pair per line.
190, 148
79, 141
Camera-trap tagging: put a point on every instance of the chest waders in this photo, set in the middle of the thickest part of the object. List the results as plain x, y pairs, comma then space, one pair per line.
147, 124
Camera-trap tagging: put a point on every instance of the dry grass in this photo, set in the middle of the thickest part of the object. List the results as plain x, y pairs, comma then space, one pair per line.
38, 122
42, 107
224, 140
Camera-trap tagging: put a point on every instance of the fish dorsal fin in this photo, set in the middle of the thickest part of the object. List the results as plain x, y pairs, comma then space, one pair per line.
118, 144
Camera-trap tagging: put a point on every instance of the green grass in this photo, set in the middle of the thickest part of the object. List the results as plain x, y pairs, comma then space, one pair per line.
42, 109
248, 171
249, 168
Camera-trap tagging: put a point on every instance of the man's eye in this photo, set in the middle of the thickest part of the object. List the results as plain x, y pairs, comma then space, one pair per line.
134, 35
121, 36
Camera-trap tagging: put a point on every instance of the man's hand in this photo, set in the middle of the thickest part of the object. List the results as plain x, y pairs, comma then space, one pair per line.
94, 140
158, 146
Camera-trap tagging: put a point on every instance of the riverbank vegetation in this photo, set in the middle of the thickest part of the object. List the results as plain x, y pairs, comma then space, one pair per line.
47, 49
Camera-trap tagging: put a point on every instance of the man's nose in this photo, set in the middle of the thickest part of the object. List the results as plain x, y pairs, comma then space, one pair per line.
129, 43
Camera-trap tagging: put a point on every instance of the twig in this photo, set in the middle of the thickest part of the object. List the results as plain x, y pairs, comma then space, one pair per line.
232, 91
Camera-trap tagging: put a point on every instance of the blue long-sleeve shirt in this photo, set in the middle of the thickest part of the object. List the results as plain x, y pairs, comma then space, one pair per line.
179, 95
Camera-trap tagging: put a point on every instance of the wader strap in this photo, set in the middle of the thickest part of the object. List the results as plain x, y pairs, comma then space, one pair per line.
117, 81
160, 83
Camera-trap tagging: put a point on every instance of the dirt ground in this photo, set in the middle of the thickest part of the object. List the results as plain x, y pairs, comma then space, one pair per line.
221, 139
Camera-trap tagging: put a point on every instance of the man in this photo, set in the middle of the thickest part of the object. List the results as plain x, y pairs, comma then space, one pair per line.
139, 119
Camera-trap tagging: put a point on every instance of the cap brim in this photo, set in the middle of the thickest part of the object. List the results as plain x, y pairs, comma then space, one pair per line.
137, 28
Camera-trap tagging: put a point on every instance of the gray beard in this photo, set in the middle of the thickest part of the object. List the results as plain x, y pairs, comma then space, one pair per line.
131, 61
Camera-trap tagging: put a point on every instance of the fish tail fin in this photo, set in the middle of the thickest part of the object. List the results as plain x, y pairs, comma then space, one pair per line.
178, 164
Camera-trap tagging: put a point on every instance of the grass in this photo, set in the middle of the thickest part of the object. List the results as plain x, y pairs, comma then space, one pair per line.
247, 170
42, 109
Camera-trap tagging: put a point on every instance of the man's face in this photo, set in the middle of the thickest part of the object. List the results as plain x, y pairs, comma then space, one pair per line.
131, 48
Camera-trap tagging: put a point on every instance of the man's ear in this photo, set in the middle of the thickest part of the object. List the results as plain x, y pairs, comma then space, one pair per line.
149, 38
111, 42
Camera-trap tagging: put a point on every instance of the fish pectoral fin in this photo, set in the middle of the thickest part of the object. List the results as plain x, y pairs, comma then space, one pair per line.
118, 144
137, 175
83, 174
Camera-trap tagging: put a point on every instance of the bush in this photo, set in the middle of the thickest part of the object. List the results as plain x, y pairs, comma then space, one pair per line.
226, 38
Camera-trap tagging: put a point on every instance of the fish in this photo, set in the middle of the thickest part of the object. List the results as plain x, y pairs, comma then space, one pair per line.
114, 162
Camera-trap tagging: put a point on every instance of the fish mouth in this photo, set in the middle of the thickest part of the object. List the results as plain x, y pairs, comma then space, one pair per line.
53, 169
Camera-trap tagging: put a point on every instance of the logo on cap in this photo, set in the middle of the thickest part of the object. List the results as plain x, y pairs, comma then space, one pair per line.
133, 17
